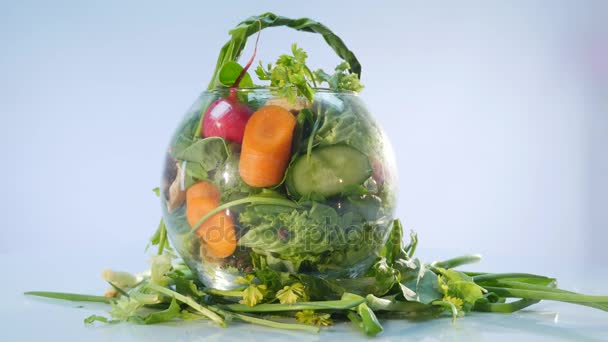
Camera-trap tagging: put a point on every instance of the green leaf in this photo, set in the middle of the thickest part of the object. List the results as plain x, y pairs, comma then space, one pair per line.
291, 294
186, 286
459, 285
160, 265
370, 324
341, 79
230, 72
95, 318
289, 73
75, 297
311, 317
393, 248
253, 294
210, 153
172, 312
422, 281
205, 311
160, 238
125, 308
365, 318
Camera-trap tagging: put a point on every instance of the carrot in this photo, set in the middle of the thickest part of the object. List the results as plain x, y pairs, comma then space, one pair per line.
217, 232
266, 146
202, 189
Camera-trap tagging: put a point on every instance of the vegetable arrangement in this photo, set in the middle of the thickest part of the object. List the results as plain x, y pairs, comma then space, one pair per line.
280, 201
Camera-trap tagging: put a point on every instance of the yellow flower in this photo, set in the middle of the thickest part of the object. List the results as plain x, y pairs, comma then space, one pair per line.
312, 318
457, 302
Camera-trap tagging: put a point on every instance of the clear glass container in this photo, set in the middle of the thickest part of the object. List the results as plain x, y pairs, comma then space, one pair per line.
313, 191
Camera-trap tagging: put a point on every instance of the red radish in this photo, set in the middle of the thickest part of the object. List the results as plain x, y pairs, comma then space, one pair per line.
227, 117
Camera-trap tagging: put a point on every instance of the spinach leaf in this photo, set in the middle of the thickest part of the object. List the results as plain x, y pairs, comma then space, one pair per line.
202, 157
210, 153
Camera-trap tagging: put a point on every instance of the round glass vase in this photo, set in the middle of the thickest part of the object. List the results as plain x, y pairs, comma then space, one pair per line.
329, 216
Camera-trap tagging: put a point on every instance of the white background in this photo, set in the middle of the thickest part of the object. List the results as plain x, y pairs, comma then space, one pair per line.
497, 112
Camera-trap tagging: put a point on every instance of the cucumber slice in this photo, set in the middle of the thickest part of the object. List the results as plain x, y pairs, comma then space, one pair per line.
329, 171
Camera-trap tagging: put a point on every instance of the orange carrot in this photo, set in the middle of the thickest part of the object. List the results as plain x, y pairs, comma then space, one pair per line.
217, 232
202, 189
266, 146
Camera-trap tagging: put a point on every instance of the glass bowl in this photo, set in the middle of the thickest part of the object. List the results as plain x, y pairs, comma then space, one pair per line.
254, 180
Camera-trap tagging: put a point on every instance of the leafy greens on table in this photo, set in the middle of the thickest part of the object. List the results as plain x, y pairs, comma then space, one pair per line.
295, 259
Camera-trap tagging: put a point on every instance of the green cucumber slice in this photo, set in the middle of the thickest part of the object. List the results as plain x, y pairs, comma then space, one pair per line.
329, 171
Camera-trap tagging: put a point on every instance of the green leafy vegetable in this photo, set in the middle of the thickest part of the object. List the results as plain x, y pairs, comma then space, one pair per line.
405, 286
341, 79
210, 153
230, 73
160, 238
231, 51
172, 312
125, 308
303, 264
290, 75
313, 238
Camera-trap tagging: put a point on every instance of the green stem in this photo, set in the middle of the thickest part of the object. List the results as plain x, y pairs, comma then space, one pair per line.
246, 200
411, 247
535, 287
321, 305
458, 261
498, 276
311, 139
369, 321
448, 306
312, 76
356, 320
505, 307
274, 324
265, 322
163, 237
188, 301
75, 297
381, 304
199, 127
546, 294
119, 290
224, 293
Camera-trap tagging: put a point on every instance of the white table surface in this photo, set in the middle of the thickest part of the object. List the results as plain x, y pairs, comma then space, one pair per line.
29, 318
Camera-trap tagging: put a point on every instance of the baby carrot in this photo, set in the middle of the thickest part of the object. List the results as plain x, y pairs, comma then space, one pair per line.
217, 232
266, 146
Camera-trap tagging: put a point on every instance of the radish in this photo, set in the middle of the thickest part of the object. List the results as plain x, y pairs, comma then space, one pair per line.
227, 117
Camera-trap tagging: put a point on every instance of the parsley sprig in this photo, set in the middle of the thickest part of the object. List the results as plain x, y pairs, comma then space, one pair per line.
291, 77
